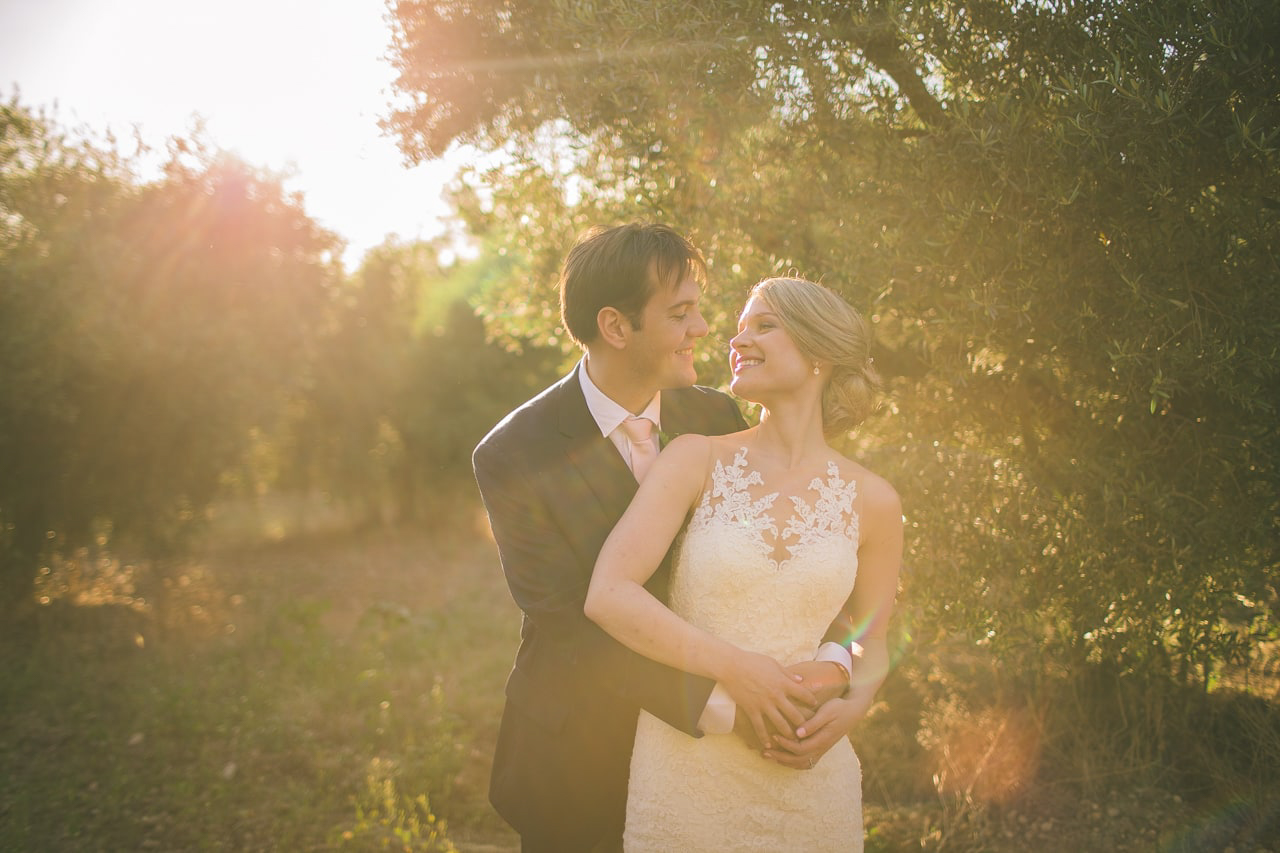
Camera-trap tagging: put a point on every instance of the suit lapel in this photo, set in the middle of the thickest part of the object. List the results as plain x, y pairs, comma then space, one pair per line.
680, 415
592, 456
675, 416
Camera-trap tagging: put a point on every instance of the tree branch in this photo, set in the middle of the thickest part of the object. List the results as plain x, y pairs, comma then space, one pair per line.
882, 45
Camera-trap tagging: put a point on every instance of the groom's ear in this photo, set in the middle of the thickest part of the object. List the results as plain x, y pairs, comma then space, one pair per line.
615, 328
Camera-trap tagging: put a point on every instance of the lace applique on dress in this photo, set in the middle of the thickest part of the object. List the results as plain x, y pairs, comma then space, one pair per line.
729, 500
733, 503
831, 515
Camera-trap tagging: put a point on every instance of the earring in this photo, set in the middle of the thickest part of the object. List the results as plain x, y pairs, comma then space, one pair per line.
816, 370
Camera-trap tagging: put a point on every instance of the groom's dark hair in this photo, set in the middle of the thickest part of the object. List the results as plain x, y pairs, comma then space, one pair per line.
621, 267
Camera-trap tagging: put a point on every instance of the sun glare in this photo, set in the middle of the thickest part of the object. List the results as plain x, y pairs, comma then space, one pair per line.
293, 86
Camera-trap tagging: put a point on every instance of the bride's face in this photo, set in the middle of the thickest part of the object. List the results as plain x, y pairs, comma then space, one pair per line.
763, 357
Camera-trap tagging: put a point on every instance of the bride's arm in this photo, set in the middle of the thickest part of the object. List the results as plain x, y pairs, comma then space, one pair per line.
879, 562
618, 601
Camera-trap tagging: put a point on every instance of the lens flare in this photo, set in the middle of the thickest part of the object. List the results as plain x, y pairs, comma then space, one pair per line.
987, 757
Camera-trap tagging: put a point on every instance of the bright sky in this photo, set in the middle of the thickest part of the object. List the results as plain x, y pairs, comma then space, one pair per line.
297, 85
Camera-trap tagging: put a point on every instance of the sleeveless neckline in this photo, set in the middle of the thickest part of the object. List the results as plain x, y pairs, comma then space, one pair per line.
831, 514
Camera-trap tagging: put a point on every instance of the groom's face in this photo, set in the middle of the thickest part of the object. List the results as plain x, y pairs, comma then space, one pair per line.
661, 351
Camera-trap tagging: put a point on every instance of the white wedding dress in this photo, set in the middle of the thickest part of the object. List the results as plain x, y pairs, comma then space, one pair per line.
715, 793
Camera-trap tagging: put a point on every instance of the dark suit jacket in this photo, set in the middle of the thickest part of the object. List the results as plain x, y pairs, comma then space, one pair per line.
554, 488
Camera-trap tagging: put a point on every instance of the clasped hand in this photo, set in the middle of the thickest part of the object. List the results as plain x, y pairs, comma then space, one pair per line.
769, 698
817, 724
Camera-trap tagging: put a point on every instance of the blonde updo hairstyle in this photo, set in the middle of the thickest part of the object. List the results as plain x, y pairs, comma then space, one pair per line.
826, 328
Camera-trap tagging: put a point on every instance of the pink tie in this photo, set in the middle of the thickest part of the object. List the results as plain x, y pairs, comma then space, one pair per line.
643, 451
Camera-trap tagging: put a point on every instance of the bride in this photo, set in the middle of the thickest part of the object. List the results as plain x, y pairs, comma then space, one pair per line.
783, 531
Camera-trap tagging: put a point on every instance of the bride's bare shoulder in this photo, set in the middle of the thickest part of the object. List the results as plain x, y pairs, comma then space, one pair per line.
877, 493
690, 447
732, 442
697, 455
686, 445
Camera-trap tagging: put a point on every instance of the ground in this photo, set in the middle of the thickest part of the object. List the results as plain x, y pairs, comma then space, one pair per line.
267, 695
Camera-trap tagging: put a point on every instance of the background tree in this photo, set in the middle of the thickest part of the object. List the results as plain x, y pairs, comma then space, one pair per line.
166, 342
460, 383
407, 383
1061, 218
147, 327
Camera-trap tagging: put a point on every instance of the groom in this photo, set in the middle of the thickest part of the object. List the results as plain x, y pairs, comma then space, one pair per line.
556, 475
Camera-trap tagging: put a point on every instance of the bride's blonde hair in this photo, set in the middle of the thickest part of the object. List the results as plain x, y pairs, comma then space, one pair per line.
826, 328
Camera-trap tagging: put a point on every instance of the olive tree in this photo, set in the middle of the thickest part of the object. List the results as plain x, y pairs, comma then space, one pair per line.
1061, 216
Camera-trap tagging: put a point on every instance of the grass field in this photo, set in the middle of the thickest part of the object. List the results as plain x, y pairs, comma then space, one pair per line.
304, 694
261, 697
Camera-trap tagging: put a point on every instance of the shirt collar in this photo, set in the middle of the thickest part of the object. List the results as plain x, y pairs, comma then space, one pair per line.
607, 413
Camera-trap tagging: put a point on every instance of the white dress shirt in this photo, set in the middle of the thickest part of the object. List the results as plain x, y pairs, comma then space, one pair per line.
718, 715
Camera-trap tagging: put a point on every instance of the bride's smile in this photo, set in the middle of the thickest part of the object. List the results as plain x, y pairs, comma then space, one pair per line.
763, 356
